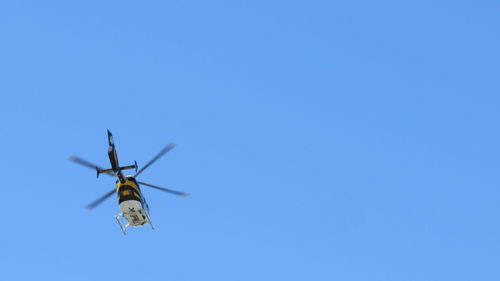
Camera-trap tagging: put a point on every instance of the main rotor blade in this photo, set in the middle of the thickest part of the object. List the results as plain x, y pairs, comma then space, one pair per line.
165, 150
100, 200
165, 189
86, 163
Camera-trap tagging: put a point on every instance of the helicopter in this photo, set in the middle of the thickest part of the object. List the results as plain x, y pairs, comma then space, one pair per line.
133, 205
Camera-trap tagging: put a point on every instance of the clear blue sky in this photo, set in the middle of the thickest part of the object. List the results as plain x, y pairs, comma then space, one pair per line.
320, 140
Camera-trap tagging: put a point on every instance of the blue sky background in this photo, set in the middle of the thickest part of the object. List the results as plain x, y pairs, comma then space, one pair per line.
320, 140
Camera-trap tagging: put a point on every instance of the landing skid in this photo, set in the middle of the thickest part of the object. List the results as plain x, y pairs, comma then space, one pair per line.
119, 220
149, 220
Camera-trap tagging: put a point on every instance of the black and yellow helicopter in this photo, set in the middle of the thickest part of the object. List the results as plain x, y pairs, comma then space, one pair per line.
133, 205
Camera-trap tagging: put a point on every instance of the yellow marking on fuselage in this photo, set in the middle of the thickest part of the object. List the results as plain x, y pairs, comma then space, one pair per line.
131, 183
128, 182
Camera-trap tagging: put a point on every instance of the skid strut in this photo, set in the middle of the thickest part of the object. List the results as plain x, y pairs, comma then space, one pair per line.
119, 220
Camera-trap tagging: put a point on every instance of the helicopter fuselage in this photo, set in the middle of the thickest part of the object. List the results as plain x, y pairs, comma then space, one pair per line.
132, 203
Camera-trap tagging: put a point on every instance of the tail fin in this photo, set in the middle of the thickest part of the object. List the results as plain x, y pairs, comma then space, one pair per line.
110, 139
